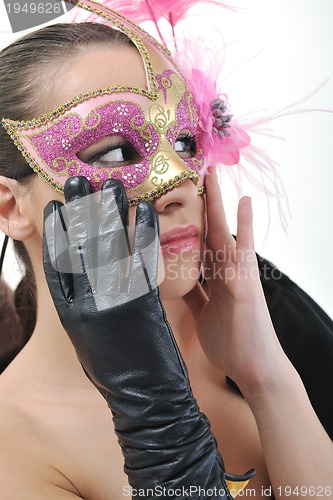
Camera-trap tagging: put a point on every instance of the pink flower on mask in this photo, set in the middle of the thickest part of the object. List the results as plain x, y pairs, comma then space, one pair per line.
220, 139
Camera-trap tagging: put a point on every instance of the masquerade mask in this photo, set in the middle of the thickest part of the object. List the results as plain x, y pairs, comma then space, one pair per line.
150, 125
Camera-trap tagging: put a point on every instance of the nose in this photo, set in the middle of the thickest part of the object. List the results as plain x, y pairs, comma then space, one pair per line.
179, 197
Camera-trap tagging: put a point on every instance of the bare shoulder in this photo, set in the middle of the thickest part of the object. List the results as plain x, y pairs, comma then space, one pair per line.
56, 442
26, 469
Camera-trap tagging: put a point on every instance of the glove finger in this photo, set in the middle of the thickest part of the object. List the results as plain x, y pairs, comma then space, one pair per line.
120, 199
76, 187
113, 248
82, 211
146, 247
56, 258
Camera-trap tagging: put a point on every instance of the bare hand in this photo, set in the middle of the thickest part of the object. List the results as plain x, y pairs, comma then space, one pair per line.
232, 319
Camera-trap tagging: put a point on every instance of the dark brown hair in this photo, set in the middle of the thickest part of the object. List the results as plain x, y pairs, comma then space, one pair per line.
26, 69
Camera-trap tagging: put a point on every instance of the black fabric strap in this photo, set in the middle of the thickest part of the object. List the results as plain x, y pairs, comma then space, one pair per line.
3, 252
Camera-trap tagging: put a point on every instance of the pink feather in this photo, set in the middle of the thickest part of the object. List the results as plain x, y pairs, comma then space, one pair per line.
153, 10
216, 150
140, 11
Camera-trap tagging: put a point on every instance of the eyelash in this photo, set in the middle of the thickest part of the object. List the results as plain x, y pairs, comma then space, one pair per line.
123, 145
107, 150
189, 140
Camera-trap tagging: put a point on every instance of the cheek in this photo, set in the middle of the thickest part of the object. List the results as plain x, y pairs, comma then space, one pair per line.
181, 273
39, 194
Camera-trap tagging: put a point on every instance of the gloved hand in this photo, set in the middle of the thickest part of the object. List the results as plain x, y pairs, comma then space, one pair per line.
109, 305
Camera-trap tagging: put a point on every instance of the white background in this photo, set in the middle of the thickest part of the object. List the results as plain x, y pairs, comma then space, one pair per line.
294, 39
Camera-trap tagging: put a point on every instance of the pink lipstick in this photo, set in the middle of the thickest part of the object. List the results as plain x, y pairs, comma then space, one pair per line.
179, 240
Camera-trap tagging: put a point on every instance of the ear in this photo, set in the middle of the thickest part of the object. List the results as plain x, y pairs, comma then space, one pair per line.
14, 220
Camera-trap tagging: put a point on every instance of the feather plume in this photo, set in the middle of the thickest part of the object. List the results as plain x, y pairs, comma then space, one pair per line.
140, 11
154, 10
235, 153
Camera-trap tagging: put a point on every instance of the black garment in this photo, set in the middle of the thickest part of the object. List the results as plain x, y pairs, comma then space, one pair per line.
306, 335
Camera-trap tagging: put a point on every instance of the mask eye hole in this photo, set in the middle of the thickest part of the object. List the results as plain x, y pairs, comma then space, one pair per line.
110, 152
186, 145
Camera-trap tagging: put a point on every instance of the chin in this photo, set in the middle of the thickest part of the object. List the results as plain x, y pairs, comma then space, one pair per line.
180, 277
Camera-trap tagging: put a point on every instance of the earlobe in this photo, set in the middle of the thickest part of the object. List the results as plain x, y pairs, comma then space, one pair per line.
13, 220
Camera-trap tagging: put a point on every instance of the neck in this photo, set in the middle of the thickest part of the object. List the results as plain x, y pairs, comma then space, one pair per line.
49, 354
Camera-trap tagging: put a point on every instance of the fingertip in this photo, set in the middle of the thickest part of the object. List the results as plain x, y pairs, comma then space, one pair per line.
246, 200
211, 169
114, 184
212, 183
76, 187
118, 190
147, 214
245, 237
211, 173
51, 208
245, 213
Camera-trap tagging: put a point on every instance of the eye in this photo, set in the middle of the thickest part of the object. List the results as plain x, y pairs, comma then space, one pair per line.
185, 145
113, 152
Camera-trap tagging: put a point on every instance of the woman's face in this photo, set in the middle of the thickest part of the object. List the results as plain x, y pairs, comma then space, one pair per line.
180, 210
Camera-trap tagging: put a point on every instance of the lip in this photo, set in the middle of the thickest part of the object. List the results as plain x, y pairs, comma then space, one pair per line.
180, 239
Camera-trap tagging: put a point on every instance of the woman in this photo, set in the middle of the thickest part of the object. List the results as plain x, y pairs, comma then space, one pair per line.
56, 434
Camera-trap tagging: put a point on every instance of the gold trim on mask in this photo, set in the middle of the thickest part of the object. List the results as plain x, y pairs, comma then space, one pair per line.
166, 171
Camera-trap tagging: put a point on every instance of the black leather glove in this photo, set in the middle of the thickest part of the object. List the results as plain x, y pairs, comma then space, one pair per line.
110, 307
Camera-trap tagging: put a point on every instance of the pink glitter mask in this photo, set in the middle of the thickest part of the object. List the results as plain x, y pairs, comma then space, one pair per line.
152, 124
